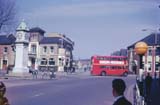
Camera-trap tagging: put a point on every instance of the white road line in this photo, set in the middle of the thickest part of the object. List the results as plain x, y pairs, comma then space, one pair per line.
37, 95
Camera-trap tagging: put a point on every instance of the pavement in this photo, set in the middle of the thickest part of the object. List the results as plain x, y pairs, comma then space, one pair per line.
39, 76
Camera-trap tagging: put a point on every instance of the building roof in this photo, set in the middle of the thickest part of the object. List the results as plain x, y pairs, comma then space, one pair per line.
22, 26
55, 34
56, 40
151, 40
37, 29
7, 39
50, 40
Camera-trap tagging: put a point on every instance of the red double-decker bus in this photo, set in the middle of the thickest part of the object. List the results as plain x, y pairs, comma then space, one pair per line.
109, 65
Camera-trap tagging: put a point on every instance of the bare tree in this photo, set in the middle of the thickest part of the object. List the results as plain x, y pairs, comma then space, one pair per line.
7, 13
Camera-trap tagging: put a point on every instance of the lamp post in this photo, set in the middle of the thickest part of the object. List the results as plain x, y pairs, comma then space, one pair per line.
140, 49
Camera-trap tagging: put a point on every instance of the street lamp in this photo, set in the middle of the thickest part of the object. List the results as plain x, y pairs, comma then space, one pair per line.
140, 49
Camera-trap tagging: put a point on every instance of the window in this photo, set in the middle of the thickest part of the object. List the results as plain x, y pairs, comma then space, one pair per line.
34, 36
114, 59
5, 49
67, 62
117, 67
99, 58
44, 61
44, 49
61, 61
51, 61
104, 67
103, 58
121, 67
158, 51
106, 58
157, 66
149, 66
52, 49
150, 52
33, 48
113, 67
4, 62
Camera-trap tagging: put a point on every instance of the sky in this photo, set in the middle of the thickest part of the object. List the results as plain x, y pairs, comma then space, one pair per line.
98, 27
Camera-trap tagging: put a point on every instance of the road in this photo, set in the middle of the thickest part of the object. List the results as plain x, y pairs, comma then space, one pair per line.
85, 90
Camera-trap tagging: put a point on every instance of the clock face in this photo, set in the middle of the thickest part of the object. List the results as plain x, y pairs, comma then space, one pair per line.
19, 36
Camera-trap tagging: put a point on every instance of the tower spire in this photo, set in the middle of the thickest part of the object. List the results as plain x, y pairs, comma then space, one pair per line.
22, 26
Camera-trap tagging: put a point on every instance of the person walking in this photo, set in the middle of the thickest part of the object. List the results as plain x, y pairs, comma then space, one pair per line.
118, 88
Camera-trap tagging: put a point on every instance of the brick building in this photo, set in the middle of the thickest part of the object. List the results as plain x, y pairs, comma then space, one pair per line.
6, 51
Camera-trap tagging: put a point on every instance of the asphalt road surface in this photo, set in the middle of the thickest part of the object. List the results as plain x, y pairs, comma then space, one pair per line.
84, 90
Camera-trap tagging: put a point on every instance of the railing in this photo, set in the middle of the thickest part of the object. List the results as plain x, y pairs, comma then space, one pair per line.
137, 98
147, 91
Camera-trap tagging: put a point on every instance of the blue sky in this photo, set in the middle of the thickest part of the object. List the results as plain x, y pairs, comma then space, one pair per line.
96, 26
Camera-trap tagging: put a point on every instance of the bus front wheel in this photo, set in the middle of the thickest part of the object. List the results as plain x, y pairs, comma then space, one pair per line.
103, 73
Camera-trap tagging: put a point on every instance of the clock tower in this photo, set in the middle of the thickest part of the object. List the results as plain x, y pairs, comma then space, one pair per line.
21, 59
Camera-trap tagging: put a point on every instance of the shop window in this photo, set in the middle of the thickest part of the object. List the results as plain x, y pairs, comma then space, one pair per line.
44, 61
51, 61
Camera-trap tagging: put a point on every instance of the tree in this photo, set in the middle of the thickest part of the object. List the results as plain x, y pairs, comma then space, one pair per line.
7, 13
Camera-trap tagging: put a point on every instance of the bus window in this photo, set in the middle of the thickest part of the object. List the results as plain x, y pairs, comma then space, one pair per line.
119, 67
102, 67
113, 67
113, 59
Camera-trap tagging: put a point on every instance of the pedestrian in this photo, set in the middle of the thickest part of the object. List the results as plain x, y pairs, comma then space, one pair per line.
134, 67
85, 69
148, 84
3, 99
118, 88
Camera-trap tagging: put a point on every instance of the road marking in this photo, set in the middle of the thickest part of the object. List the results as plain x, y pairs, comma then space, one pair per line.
37, 95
